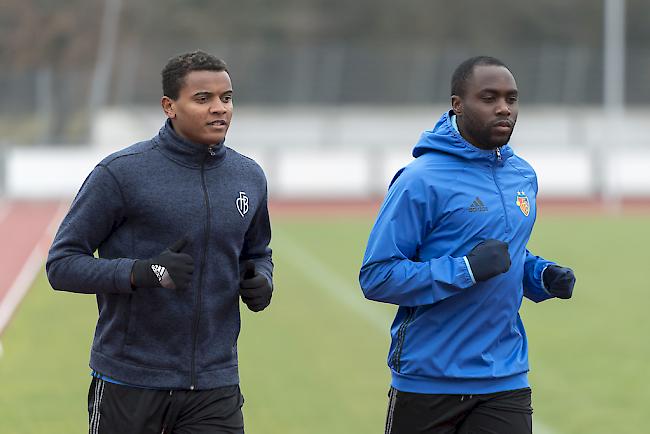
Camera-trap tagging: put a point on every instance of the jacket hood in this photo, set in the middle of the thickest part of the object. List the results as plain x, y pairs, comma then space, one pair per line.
188, 153
444, 138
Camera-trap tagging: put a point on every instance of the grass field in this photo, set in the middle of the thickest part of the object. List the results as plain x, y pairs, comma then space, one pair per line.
314, 363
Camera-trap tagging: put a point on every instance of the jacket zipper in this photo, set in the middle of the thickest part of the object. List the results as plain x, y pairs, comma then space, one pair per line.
197, 297
494, 178
401, 333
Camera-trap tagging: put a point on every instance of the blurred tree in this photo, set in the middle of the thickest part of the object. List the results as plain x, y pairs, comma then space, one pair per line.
53, 33
61, 37
65, 32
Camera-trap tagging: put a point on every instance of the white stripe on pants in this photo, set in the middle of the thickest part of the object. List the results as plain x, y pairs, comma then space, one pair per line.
94, 417
391, 410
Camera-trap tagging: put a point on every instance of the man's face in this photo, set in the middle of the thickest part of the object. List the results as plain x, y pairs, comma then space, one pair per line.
203, 109
487, 113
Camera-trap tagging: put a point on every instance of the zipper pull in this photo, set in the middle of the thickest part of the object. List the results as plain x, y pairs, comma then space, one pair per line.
498, 152
212, 151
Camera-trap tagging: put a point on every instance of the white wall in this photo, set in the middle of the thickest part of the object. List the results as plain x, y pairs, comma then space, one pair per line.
353, 152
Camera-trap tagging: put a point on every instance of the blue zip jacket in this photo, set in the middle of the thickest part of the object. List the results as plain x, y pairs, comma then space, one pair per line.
135, 204
452, 335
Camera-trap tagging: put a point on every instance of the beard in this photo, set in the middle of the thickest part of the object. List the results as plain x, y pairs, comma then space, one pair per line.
481, 134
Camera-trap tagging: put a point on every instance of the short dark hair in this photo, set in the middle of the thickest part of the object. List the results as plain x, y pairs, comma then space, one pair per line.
465, 70
174, 72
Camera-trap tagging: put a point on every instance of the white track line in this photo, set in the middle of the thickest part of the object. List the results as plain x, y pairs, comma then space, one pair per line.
20, 286
350, 295
333, 283
28, 273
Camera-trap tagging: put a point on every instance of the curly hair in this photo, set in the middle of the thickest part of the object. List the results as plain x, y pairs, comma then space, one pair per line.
174, 72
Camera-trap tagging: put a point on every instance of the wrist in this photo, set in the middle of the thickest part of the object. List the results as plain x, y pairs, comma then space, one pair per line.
546, 276
469, 270
542, 278
142, 276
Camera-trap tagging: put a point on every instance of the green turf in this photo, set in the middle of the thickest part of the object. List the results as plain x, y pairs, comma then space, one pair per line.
315, 361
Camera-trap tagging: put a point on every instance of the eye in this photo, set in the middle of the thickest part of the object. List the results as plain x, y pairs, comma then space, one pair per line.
513, 99
226, 98
487, 98
201, 99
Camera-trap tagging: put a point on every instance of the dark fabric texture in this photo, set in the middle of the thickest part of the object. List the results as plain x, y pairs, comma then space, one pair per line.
254, 288
114, 408
507, 412
559, 281
488, 259
135, 204
172, 269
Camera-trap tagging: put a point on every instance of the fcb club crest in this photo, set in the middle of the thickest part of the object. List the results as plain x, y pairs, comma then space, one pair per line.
522, 203
242, 203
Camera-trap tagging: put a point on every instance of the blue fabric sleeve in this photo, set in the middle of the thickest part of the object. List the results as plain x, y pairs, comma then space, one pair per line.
391, 271
95, 212
534, 289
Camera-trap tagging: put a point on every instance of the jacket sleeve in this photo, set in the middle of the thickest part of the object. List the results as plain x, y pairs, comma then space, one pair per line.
534, 267
257, 240
95, 212
391, 271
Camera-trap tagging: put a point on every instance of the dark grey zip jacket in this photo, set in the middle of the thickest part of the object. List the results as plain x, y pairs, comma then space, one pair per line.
133, 205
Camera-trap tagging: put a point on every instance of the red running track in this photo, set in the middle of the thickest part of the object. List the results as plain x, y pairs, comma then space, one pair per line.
26, 230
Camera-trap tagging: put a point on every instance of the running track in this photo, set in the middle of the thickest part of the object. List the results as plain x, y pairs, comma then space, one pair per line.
26, 230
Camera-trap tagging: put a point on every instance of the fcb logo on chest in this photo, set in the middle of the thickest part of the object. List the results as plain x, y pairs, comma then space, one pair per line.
522, 203
242, 203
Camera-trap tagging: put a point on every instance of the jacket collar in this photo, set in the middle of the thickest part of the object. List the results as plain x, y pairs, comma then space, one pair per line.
188, 153
444, 138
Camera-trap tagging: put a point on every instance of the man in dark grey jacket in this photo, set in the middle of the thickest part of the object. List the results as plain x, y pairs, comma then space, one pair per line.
181, 226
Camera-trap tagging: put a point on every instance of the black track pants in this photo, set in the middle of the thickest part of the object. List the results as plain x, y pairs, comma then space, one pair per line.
493, 413
116, 409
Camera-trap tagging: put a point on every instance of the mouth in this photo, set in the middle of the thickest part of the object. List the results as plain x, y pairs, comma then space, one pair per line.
218, 123
504, 126
504, 123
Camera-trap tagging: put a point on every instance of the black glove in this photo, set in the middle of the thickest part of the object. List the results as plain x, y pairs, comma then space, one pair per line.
488, 259
254, 288
171, 269
559, 281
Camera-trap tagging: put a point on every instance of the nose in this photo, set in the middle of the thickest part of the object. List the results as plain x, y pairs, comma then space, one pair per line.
218, 107
503, 108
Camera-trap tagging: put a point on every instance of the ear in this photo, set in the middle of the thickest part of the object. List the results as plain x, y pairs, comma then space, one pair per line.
457, 105
168, 107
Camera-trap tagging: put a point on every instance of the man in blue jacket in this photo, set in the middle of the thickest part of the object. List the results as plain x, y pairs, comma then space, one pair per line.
181, 228
449, 248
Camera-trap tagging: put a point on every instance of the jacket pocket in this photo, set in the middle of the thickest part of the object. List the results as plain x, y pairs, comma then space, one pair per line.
159, 329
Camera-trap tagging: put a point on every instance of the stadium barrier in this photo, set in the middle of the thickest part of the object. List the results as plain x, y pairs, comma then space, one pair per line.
353, 153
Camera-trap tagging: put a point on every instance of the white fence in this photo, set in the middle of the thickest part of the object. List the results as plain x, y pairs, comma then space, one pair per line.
332, 153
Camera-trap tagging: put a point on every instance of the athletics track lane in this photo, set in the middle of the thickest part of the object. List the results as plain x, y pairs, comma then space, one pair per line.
26, 229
